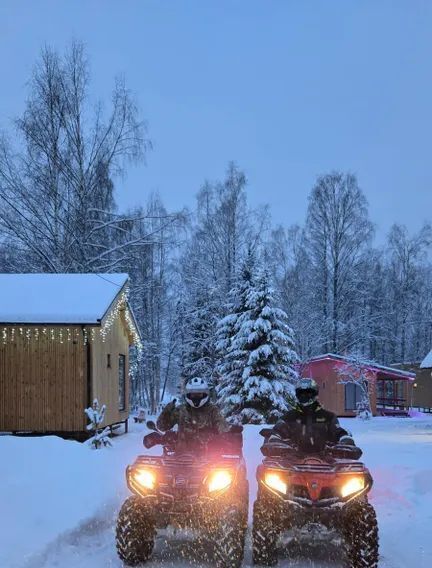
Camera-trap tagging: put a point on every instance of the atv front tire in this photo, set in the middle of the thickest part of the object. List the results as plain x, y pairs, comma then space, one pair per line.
135, 533
230, 542
361, 536
265, 534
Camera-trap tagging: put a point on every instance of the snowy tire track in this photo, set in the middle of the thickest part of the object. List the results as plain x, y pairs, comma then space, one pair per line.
92, 545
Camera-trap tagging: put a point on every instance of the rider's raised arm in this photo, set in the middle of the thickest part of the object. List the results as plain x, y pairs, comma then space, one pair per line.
169, 417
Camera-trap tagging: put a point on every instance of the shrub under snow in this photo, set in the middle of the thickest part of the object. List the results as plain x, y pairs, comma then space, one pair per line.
96, 416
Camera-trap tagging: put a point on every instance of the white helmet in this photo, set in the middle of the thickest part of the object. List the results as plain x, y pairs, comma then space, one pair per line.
197, 392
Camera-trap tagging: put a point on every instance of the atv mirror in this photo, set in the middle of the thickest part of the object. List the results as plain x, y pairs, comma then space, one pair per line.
266, 432
153, 439
151, 425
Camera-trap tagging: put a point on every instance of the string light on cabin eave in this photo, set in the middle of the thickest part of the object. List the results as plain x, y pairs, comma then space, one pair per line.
113, 315
135, 335
64, 335
120, 305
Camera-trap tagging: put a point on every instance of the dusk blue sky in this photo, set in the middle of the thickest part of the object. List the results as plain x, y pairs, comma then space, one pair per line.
287, 89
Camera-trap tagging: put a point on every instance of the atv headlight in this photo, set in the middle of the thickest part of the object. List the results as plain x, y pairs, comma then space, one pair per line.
219, 480
145, 478
354, 485
275, 482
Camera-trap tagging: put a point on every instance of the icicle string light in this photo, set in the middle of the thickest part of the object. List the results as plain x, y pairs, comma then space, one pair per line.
90, 333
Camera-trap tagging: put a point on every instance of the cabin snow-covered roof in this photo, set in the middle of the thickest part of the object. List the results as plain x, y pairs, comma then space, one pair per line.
427, 361
58, 298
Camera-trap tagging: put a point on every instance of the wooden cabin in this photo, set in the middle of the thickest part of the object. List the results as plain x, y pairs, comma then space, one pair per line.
422, 387
422, 391
389, 388
64, 341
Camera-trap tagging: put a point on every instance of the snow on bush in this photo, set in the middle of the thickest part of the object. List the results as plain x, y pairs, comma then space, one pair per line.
96, 416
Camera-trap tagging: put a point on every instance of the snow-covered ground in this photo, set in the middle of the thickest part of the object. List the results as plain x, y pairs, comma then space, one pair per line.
59, 499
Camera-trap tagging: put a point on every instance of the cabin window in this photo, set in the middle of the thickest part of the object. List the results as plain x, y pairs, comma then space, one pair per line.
109, 360
122, 382
353, 395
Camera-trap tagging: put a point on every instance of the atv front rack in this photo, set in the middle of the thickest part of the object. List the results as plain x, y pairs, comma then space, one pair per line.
323, 468
316, 465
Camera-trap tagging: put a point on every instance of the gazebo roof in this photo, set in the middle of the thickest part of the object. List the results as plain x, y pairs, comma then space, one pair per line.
376, 367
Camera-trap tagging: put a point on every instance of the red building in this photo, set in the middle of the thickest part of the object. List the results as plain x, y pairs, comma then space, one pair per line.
389, 388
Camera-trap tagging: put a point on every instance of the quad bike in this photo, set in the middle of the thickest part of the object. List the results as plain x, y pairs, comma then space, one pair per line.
205, 491
315, 498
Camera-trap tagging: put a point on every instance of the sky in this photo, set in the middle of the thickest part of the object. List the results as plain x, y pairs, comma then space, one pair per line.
286, 88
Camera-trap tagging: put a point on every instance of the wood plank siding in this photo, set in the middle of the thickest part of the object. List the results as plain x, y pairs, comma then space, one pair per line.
105, 380
46, 384
43, 382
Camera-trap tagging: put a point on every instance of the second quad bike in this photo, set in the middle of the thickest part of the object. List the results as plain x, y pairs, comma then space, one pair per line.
204, 491
322, 496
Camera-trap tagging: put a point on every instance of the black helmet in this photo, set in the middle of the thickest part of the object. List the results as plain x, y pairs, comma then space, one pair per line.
306, 392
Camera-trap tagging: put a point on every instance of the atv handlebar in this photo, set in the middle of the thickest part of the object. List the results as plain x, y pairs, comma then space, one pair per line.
276, 446
344, 452
158, 439
231, 439
266, 432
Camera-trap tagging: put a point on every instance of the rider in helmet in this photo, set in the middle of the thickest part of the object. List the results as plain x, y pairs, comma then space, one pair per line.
309, 426
196, 417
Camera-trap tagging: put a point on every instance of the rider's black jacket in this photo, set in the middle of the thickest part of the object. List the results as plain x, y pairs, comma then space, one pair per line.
310, 428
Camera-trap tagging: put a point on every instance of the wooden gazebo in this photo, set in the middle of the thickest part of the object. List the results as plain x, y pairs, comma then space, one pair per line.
389, 388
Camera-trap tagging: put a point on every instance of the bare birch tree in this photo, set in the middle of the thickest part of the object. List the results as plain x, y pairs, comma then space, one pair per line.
56, 188
338, 234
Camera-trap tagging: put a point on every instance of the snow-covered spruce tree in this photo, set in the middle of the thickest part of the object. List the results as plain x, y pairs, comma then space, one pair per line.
230, 363
96, 416
264, 345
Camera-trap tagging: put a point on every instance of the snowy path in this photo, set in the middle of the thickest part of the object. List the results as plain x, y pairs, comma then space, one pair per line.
92, 545
65, 516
